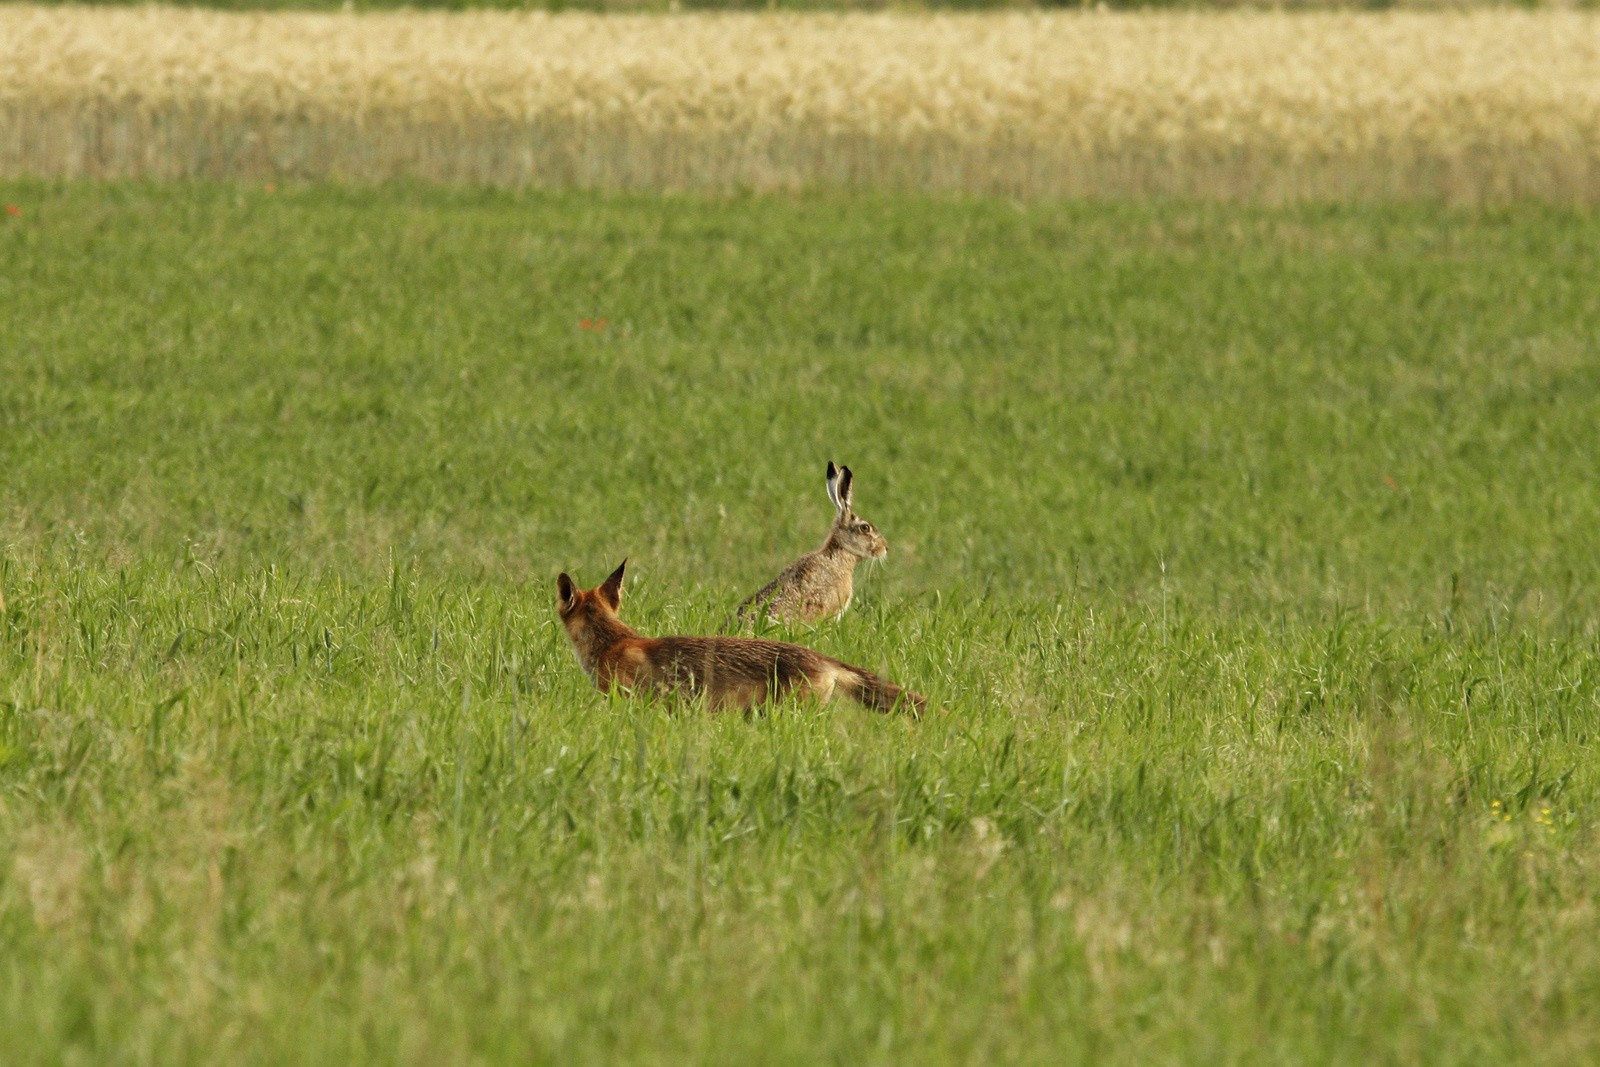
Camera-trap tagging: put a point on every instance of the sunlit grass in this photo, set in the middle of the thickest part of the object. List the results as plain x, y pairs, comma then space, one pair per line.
1246, 553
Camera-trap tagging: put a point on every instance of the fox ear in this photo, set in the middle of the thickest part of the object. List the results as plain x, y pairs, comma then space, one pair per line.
846, 489
611, 592
833, 486
564, 589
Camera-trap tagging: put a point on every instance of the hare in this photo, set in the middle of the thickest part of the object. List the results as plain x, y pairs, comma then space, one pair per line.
737, 672
819, 584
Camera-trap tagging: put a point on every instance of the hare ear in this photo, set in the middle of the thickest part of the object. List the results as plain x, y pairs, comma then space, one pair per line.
611, 591
833, 486
846, 489
564, 589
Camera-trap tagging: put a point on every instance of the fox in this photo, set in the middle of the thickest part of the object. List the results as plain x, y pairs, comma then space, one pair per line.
728, 672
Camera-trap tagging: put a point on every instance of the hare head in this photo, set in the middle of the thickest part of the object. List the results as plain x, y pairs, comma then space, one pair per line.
851, 532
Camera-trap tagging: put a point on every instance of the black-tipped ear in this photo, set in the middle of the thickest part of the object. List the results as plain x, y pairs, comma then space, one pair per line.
564, 589
846, 485
833, 486
611, 591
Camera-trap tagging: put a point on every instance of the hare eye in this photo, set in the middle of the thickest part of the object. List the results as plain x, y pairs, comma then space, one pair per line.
865, 527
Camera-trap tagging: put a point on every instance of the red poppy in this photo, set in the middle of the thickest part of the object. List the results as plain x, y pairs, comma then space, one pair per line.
600, 324
585, 324
13, 210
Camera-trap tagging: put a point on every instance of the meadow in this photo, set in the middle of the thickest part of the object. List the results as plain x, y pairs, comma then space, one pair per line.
1248, 552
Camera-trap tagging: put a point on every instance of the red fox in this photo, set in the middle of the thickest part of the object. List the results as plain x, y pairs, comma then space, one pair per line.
736, 672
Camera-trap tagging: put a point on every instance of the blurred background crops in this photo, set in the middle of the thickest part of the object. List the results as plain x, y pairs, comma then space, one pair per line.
673, 6
1466, 105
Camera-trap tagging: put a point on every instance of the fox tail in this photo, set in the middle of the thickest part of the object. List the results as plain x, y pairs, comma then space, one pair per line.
877, 693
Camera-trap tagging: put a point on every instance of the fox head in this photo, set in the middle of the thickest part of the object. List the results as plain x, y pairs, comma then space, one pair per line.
850, 531
590, 615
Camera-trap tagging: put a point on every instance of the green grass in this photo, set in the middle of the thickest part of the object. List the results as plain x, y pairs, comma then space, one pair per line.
1248, 551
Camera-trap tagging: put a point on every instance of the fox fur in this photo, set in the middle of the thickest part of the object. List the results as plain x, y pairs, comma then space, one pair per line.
729, 672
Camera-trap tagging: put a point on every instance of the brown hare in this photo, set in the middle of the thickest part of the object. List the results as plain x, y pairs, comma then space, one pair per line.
819, 585
730, 672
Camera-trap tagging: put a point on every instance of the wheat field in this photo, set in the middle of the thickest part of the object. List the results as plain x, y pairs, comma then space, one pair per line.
1465, 106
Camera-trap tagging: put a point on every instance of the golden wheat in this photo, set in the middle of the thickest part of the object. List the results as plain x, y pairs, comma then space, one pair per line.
1472, 105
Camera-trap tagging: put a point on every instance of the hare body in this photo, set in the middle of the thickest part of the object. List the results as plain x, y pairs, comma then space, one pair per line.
820, 585
736, 672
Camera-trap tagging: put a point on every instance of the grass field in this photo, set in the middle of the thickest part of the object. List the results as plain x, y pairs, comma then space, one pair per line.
1249, 552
